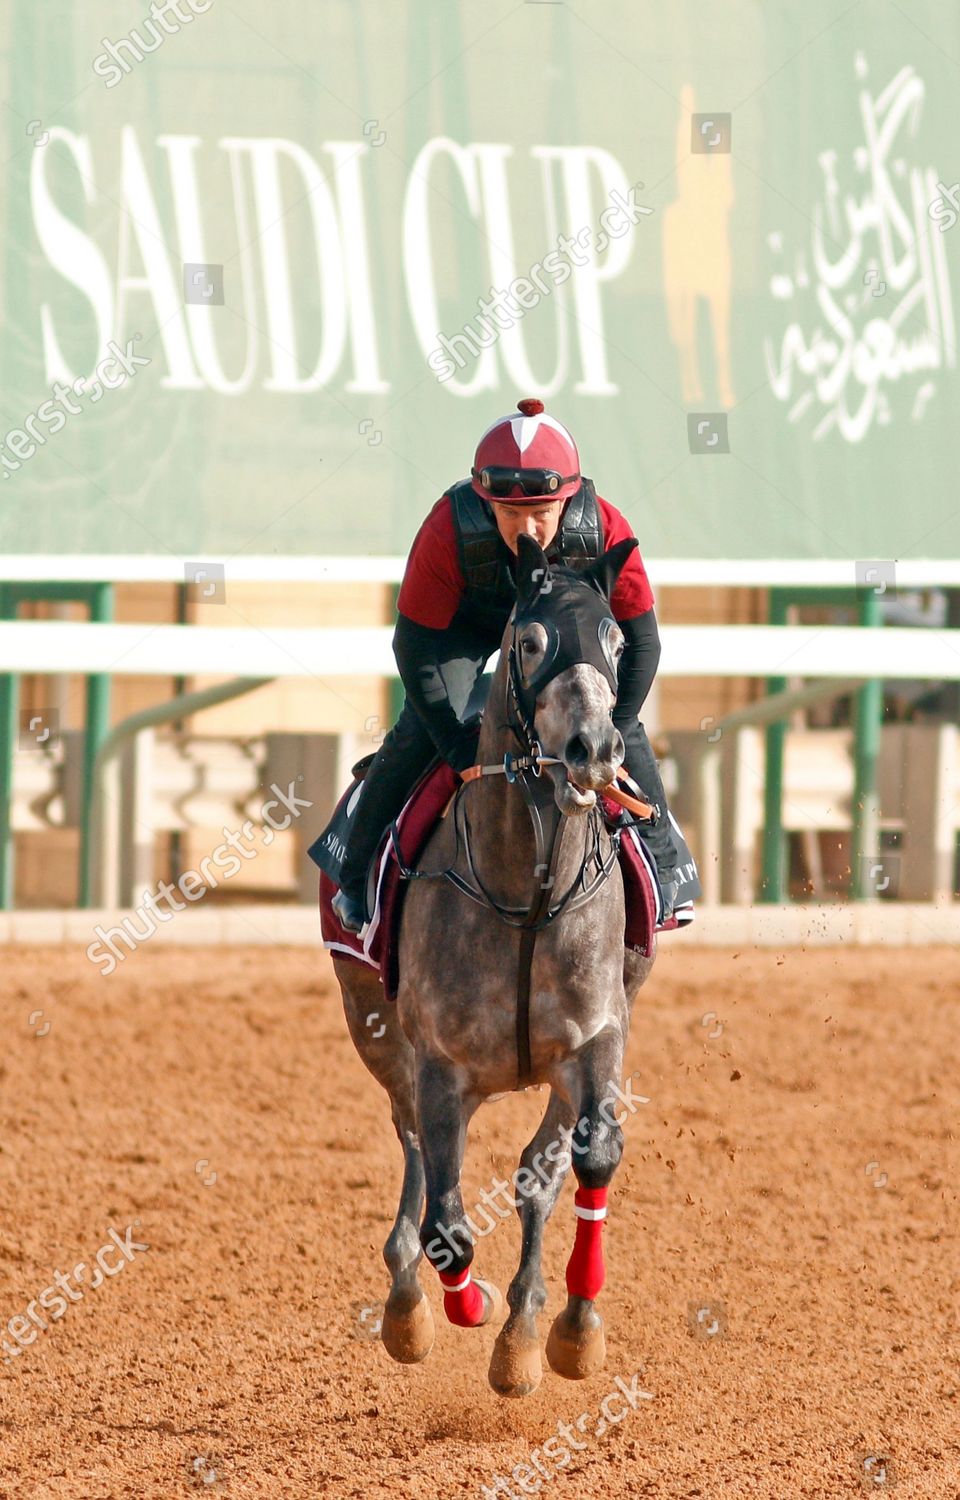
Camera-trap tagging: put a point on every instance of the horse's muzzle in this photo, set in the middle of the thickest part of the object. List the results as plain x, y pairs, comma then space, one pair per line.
592, 756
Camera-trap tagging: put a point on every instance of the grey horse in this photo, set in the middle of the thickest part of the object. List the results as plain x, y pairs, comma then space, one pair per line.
513, 972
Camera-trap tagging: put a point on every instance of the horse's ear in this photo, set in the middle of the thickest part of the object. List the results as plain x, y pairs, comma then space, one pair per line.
532, 570
604, 571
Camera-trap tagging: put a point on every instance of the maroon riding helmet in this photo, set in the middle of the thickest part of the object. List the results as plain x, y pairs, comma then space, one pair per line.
527, 457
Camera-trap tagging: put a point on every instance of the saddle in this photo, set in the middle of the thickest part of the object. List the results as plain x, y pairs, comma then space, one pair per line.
378, 944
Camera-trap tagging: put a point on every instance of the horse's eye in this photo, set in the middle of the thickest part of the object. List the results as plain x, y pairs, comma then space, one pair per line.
529, 646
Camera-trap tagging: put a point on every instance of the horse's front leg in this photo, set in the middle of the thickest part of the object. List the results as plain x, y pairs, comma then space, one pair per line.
444, 1107
515, 1368
575, 1346
407, 1331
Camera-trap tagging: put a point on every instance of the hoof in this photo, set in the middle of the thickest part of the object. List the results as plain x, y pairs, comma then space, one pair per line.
515, 1368
576, 1347
492, 1303
407, 1330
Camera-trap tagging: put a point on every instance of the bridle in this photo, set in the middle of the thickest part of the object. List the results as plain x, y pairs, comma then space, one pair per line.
525, 770
548, 822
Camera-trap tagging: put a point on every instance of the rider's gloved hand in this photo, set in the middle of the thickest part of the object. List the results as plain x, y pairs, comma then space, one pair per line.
464, 753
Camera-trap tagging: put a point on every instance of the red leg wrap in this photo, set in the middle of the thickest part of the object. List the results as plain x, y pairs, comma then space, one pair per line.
462, 1298
585, 1269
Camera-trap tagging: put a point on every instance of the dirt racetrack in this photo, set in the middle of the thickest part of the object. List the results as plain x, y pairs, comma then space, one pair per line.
795, 1173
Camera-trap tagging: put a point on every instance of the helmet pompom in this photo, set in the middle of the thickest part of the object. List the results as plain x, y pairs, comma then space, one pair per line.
530, 406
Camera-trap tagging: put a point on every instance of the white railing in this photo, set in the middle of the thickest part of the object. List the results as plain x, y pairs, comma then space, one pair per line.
48, 646
665, 572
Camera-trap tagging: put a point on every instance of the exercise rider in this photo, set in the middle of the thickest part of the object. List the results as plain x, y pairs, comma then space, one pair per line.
457, 593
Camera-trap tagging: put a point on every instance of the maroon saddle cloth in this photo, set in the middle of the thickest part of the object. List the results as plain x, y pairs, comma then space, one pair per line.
377, 946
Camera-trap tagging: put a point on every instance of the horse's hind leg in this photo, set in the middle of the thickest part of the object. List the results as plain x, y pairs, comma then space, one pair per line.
443, 1111
515, 1368
575, 1346
407, 1330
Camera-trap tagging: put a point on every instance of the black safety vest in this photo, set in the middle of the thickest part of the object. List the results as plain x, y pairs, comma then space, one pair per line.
485, 558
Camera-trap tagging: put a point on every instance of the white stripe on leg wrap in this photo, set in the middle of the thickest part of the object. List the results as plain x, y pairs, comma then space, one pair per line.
460, 1286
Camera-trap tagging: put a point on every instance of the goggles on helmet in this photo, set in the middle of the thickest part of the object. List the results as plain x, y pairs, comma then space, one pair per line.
536, 483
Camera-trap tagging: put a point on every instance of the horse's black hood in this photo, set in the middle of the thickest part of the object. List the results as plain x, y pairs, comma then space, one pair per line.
574, 609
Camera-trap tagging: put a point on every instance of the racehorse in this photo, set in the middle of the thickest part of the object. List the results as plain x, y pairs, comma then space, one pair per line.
513, 972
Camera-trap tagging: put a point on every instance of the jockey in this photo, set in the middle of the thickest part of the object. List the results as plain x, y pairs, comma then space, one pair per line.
457, 593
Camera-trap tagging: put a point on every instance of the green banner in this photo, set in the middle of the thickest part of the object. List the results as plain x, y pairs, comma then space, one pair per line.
268, 272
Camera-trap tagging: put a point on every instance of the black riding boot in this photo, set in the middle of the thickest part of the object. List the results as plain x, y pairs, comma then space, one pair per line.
642, 764
399, 763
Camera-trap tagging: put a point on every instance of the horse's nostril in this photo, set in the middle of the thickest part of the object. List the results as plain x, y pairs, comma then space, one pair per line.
589, 748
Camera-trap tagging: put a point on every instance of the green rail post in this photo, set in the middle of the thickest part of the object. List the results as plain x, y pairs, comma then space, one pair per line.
100, 603
772, 866
397, 693
867, 723
9, 707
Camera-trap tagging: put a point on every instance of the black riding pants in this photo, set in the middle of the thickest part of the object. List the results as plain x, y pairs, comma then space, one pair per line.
408, 749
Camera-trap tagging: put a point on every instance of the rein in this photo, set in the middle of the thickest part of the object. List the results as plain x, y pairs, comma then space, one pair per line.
512, 764
548, 839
